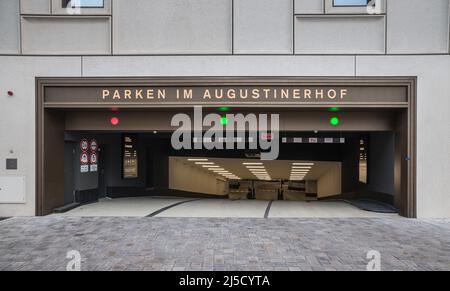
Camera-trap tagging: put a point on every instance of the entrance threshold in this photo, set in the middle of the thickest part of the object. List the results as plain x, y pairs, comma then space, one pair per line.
157, 207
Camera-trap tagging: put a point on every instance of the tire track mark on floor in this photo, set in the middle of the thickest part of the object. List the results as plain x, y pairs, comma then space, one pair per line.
159, 211
266, 215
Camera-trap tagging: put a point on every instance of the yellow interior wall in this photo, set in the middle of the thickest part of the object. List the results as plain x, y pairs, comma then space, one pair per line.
330, 183
186, 177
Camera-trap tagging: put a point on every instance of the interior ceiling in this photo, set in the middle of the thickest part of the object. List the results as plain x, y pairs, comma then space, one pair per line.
277, 170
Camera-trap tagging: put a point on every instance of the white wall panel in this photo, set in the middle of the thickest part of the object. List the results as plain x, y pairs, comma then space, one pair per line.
12, 189
309, 6
417, 26
35, 6
9, 26
263, 26
219, 66
340, 35
17, 118
172, 27
433, 128
71, 35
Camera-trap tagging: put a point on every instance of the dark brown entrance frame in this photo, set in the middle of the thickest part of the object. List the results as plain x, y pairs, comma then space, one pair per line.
45, 128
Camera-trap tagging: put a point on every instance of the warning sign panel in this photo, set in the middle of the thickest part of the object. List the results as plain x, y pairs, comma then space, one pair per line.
93, 158
84, 158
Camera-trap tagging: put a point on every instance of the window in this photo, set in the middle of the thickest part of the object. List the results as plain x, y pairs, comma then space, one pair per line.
350, 3
83, 3
81, 7
355, 7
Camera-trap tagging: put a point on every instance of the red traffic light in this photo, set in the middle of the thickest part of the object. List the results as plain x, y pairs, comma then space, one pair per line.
114, 121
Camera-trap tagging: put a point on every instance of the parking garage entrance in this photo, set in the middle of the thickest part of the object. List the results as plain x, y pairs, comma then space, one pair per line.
336, 139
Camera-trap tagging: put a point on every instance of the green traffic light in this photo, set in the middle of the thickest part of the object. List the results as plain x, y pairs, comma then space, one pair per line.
224, 109
224, 120
334, 121
333, 109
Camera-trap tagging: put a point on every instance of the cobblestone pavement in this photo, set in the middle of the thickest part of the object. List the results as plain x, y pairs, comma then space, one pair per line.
223, 244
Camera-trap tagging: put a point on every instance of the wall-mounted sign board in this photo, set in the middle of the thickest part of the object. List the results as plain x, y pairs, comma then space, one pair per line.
93, 167
84, 169
129, 157
225, 91
327, 140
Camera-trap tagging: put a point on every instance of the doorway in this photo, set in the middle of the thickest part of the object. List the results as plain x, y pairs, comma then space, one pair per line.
383, 121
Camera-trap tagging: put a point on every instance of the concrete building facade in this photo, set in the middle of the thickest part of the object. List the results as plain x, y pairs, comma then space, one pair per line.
223, 38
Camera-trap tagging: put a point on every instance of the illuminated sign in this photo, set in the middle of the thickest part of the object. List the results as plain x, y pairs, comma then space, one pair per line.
223, 96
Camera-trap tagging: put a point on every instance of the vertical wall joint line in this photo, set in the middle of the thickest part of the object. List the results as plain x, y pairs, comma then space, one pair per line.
293, 27
232, 27
448, 37
111, 23
386, 28
20, 28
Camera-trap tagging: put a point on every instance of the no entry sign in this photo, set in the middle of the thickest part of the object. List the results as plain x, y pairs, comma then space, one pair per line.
93, 145
84, 145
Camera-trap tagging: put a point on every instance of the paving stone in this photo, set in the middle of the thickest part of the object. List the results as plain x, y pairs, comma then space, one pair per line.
205, 244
